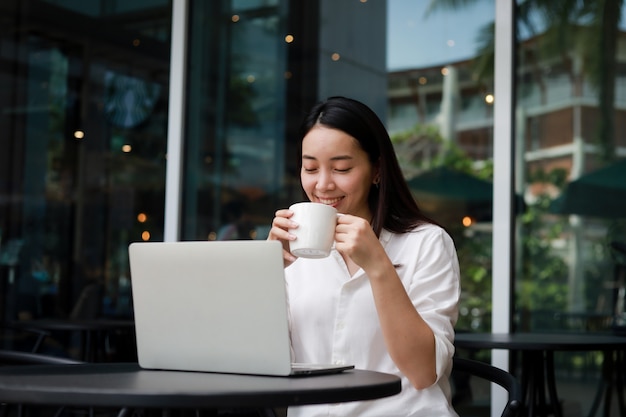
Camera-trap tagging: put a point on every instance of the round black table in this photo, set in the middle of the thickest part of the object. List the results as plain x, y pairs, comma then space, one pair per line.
127, 385
537, 352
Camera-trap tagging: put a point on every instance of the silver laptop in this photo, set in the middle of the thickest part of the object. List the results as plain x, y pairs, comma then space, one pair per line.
214, 307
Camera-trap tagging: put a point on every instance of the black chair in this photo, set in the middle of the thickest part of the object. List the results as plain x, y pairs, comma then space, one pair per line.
19, 338
496, 375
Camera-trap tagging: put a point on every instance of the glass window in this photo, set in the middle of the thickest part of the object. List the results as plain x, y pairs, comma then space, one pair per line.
235, 142
570, 262
568, 128
440, 115
84, 102
255, 68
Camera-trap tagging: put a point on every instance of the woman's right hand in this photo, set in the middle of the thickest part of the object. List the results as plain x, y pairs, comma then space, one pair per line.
280, 231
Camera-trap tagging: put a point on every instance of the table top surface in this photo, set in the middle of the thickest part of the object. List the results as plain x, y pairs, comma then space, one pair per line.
127, 385
540, 341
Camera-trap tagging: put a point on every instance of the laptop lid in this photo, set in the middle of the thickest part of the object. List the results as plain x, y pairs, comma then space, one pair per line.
211, 306
214, 307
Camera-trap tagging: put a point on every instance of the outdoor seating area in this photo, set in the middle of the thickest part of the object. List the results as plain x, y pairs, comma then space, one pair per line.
472, 153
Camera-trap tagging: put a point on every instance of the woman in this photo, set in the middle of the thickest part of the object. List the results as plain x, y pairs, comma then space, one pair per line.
386, 298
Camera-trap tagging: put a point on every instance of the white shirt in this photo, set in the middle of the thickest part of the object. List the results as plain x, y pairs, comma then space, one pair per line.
333, 319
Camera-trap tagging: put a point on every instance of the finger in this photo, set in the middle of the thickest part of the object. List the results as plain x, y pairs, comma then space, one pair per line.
288, 257
281, 220
280, 233
343, 218
286, 213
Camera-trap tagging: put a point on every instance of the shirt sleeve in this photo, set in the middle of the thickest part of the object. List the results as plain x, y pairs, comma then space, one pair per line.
434, 289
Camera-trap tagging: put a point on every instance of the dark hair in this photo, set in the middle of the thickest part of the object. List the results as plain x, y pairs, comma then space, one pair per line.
391, 203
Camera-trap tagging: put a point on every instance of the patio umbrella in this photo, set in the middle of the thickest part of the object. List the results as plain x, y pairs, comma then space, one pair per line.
451, 184
444, 190
601, 193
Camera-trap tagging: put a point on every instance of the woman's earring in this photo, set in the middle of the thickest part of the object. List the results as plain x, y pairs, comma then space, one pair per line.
376, 181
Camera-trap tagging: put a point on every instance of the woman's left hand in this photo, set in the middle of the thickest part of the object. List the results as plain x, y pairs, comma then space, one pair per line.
355, 238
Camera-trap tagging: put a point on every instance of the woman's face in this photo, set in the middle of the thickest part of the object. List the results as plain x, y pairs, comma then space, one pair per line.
336, 171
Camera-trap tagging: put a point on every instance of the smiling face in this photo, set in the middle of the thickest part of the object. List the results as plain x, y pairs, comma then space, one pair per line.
336, 171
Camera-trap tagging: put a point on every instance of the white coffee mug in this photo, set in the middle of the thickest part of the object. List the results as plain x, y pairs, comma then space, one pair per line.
315, 233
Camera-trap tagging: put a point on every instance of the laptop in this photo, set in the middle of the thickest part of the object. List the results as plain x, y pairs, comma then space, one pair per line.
213, 306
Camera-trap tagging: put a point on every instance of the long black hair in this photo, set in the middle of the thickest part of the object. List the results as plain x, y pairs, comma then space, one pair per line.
390, 201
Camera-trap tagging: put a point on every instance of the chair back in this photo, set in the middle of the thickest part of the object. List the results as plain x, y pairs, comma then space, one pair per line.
496, 375
14, 336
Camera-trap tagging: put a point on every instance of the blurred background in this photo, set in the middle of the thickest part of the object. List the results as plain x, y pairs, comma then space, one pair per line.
89, 112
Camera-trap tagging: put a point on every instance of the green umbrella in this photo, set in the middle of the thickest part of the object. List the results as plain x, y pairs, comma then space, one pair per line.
448, 195
601, 193
451, 184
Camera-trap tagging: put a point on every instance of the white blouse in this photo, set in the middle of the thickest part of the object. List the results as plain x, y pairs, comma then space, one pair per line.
333, 319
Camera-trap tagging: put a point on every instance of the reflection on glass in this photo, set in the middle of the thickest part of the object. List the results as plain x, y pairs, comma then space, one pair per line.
571, 101
85, 104
441, 125
569, 104
235, 156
